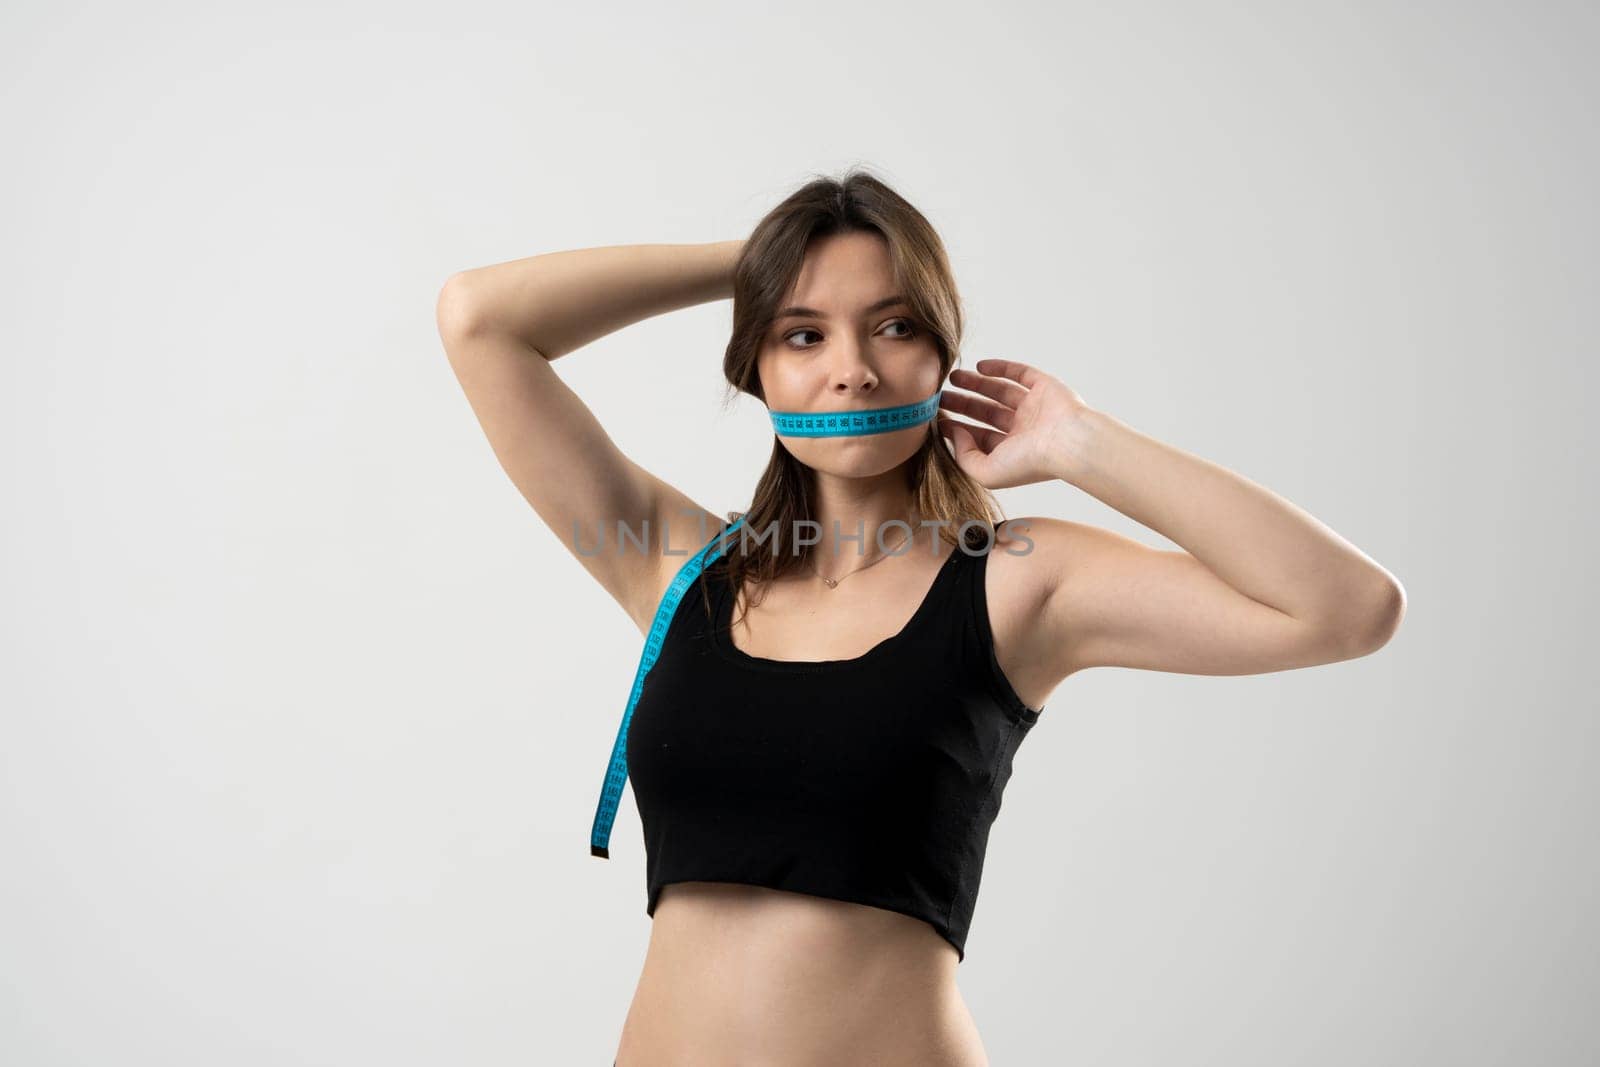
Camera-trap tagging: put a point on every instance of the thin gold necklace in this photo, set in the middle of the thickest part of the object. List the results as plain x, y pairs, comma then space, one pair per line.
833, 583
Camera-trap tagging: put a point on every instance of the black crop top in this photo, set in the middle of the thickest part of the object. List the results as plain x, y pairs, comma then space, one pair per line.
873, 780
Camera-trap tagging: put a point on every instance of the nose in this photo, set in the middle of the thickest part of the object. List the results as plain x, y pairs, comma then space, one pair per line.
850, 372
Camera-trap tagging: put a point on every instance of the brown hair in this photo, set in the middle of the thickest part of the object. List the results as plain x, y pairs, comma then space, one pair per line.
767, 267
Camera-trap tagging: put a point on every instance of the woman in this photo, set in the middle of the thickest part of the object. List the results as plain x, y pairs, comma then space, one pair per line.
820, 748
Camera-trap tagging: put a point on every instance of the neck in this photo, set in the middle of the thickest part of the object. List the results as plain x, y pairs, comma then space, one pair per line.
847, 507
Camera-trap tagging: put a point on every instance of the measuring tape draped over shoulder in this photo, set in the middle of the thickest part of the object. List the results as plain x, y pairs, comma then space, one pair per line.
785, 424
617, 771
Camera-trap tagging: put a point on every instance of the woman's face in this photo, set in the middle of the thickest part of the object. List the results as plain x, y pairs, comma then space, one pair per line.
845, 349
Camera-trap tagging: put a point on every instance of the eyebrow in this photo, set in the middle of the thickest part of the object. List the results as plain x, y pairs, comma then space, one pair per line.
813, 313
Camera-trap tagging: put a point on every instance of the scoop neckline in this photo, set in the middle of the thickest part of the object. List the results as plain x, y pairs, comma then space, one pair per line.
722, 637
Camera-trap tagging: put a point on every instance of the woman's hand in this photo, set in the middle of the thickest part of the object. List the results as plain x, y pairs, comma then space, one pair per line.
1029, 416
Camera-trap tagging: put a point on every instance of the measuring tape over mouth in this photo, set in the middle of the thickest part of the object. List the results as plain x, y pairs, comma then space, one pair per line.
787, 424
854, 423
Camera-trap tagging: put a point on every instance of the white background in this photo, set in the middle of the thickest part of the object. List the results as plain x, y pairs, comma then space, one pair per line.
306, 714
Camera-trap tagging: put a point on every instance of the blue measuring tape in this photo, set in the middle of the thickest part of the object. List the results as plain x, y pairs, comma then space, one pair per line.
787, 424
853, 423
617, 771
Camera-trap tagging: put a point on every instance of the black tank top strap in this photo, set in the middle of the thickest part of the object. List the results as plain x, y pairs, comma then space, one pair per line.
935, 627
977, 643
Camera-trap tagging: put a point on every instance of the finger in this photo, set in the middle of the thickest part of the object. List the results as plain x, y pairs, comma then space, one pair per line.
962, 445
1029, 376
1003, 390
977, 407
985, 438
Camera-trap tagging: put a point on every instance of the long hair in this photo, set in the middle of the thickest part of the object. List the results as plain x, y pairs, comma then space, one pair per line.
766, 270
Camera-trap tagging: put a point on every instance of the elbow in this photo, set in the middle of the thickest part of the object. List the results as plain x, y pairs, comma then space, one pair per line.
1379, 617
455, 311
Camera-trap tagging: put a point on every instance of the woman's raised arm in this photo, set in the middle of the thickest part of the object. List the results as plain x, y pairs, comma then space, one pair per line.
503, 325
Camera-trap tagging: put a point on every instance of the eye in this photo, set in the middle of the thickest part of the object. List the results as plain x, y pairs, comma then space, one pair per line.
911, 332
795, 333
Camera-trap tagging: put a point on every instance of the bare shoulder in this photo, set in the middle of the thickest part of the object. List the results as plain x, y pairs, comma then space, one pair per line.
681, 530
1031, 557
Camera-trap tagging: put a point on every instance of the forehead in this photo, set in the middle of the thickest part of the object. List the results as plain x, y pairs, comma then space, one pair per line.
843, 271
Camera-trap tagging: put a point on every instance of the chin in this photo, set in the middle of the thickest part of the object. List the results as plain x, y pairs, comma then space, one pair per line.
859, 457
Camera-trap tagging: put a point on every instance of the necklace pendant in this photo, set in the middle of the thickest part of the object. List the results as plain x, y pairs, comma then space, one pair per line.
831, 582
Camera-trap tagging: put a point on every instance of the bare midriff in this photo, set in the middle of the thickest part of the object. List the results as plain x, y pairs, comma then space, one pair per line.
736, 975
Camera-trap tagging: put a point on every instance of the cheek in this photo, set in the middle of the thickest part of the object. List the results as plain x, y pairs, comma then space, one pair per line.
784, 383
